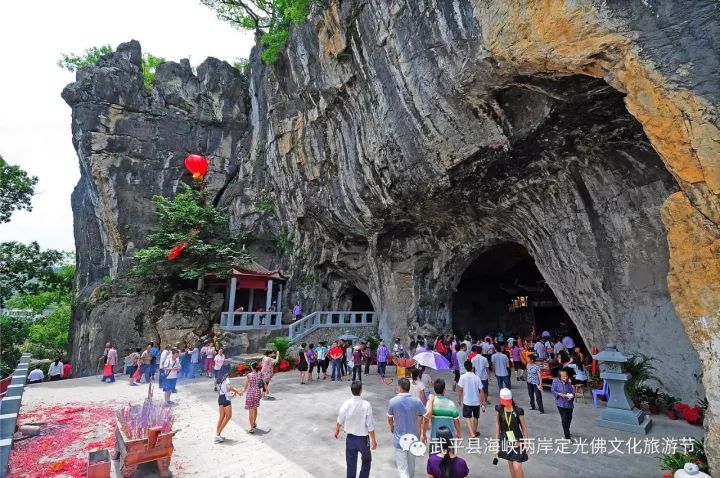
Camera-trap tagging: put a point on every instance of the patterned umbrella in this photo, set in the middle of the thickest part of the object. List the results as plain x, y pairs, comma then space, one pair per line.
432, 359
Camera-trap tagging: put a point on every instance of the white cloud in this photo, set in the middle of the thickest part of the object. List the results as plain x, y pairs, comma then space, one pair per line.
35, 121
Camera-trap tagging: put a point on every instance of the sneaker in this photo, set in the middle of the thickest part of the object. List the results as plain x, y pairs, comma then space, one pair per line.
170, 403
483, 408
219, 439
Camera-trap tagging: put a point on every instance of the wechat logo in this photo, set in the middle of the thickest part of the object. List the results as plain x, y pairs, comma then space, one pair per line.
411, 443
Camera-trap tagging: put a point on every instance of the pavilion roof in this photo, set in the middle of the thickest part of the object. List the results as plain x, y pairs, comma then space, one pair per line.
255, 270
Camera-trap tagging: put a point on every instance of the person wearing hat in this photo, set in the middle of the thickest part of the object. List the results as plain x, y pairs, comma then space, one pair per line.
511, 430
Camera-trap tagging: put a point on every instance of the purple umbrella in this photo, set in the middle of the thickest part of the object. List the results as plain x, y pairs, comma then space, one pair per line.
431, 359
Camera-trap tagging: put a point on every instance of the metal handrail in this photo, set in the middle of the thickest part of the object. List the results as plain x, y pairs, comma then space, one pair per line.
329, 319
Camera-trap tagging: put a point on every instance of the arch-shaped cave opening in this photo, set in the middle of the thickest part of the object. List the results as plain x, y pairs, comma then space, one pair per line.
359, 300
502, 290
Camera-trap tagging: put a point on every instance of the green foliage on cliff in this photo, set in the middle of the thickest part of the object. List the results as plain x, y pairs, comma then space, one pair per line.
211, 246
16, 190
270, 18
91, 57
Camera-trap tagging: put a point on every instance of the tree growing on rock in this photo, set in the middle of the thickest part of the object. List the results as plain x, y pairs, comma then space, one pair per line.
269, 18
209, 245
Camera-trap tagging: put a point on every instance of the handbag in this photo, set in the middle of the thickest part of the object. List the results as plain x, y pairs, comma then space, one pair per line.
107, 370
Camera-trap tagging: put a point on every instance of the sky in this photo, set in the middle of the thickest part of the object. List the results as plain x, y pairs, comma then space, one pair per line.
35, 122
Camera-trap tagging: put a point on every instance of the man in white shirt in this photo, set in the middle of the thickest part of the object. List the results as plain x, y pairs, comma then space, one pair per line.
559, 347
540, 350
481, 366
356, 419
163, 357
36, 376
500, 363
171, 367
469, 388
194, 360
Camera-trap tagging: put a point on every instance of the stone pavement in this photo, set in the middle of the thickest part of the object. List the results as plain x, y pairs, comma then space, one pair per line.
295, 436
299, 424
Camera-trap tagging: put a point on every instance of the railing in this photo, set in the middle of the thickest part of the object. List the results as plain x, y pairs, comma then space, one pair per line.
336, 319
9, 409
234, 321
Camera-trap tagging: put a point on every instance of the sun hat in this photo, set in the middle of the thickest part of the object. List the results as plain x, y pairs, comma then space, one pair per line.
505, 397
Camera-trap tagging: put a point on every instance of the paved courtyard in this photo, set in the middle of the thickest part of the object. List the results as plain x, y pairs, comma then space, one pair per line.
295, 436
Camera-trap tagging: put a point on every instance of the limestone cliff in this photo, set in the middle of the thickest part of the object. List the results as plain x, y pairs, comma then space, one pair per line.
402, 139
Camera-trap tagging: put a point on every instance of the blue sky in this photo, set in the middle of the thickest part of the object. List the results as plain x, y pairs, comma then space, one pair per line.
35, 121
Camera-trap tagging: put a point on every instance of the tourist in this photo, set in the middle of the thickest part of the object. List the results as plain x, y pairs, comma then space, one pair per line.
185, 360
461, 356
224, 406
402, 416
568, 342
469, 391
209, 359
534, 384
297, 311
194, 360
356, 419
579, 375
55, 370
110, 362
67, 370
441, 411
517, 362
356, 363
322, 359
564, 395
267, 369
36, 375
382, 357
426, 380
348, 358
253, 393
500, 363
455, 366
146, 363
167, 352
398, 351
336, 354
302, 362
367, 357
417, 388
218, 363
445, 464
559, 347
540, 350
203, 357
154, 359
311, 360
171, 368
133, 370
481, 365
511, 430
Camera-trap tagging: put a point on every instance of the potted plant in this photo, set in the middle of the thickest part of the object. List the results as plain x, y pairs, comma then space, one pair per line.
281, 345
641, 370
652, 399
667, 403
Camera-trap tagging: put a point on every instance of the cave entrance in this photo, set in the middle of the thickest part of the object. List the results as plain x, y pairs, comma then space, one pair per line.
503, 291
358, 301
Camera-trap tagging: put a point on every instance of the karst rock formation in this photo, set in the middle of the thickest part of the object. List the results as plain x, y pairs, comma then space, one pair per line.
399, 139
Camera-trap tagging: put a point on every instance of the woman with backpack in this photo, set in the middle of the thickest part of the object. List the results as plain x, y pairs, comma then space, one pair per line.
510, 430
253, 391
302, 362
311, 360
224, 404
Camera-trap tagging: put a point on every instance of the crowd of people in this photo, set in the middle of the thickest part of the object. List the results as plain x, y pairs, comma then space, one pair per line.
422, 407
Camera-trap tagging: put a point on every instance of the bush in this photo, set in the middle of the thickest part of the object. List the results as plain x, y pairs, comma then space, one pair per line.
281, 345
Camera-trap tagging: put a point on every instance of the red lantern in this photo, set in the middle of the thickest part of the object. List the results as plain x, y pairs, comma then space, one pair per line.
175, 251
197, 165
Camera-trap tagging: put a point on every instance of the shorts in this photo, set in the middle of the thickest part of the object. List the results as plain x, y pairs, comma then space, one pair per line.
518, 365
486, 386
470, 411
169, 384
223, 400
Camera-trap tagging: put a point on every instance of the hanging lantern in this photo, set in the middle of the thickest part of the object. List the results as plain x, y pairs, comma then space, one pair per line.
197, 165
175, 251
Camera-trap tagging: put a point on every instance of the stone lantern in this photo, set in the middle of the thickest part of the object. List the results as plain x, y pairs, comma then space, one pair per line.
620, 413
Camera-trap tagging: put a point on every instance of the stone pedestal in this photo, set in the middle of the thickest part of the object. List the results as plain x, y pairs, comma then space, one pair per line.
620, 414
